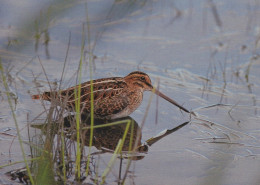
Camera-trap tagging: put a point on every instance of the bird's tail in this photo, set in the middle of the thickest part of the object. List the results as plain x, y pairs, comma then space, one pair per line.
36, 97
44, 96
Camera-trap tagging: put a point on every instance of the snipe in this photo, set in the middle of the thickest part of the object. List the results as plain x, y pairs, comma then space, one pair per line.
114, 97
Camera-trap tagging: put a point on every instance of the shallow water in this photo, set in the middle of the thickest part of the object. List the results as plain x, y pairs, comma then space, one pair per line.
203, 55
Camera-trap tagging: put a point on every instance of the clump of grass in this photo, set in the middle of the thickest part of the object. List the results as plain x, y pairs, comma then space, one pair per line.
63, 161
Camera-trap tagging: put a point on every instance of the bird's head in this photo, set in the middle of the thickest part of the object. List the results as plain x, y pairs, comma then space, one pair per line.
139, 80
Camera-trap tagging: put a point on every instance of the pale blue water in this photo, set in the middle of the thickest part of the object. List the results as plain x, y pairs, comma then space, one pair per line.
200, 62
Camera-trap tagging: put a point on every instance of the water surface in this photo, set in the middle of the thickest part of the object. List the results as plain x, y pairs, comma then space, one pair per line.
203, 54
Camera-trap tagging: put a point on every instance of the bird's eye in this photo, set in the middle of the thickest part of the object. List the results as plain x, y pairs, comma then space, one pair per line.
142, 78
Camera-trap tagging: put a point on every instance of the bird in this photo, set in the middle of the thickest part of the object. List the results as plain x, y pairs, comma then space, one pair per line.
113, 97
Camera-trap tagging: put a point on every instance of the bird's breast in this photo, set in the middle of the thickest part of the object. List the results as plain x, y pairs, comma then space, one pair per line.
134, 101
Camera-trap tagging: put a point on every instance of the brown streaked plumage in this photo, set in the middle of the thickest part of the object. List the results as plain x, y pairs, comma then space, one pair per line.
114, 97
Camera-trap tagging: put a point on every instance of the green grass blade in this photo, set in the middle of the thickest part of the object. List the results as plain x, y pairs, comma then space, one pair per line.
15, 121
117, 151
91, 94
77, 106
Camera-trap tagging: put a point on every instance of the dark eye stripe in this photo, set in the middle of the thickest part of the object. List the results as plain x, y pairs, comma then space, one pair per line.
139, 84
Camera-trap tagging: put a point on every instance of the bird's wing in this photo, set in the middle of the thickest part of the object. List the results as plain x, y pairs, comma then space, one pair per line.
103, 94
111, 106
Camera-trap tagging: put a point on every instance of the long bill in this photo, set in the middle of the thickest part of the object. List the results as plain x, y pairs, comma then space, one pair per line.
170, 100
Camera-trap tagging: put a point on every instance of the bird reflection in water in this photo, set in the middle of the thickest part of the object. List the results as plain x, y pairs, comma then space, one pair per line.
106, 138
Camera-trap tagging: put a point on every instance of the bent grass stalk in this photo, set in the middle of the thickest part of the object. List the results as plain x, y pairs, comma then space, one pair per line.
117, 151
18, 162
15, 121
107, 124
120, 142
